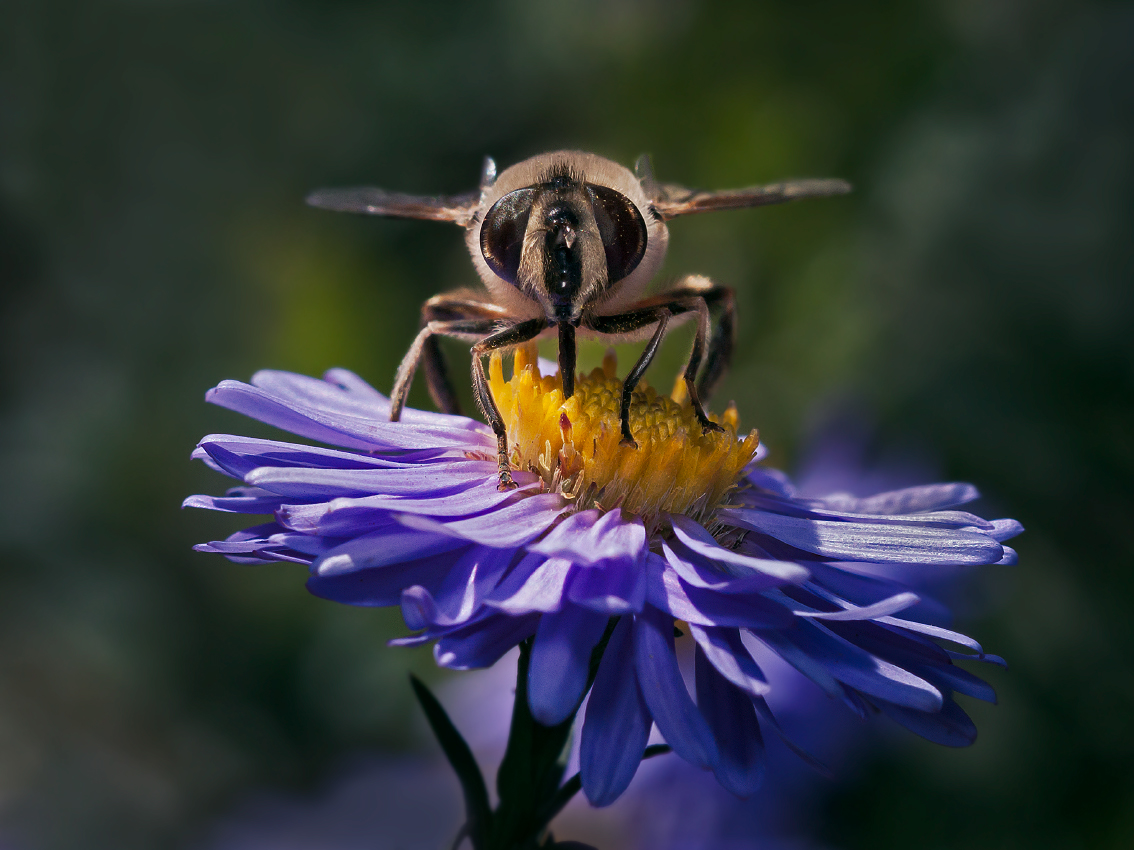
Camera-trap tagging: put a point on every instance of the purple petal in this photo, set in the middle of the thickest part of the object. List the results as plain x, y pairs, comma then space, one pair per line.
611, 587
380, 549
697, 539
934, 632
560, 662
356, 430
677, 717
505, 528
854, 587
882, 608
666, 591
696, 571
859, 541
1006, 529
377, 588
482, 642
961, 681
927, 497
617, 722
269, 542
432, 479
344, 392
733, 722
345, 516
950, 727
536, 584
589, 537
727, 653
419, 608
238, 500
771, 480
240, 455
814, 509
460, 593
821, 656
769, 719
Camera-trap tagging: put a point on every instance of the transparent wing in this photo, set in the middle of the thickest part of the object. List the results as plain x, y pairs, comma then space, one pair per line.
673, 200
373, 201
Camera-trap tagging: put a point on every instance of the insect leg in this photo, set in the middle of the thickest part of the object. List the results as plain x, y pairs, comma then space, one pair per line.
700, 343
715, 346
503, 338
722, 339
628, 322
450, 306
455, 327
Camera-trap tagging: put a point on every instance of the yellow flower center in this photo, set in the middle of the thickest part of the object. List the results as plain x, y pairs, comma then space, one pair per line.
574, 444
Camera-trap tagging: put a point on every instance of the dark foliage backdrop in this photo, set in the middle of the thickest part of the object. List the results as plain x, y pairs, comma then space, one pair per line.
972, 301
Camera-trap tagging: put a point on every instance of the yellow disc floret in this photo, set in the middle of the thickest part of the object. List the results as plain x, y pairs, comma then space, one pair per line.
575, 444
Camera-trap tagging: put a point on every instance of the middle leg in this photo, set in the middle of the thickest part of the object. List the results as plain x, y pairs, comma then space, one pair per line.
659, 310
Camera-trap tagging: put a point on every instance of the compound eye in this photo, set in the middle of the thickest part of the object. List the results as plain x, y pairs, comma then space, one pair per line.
622, 228
502, 234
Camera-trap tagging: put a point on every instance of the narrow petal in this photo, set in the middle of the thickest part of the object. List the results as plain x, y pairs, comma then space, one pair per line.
1006, 529
384, 585
677, 717
434, 479
666, 591
560, 663
239, 455
482, 642
821, 655
927, 497
238, 500
697, 571
535, 584
354, 428
588, 537
461, 591
934, 632
724, 649
505, 528
697, 539
950, 727
617, 722
882, 608
732, 718
858, 541
611, 587
381, 549
813, 509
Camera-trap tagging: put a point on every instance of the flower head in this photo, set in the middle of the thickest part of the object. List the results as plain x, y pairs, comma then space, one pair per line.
603, 543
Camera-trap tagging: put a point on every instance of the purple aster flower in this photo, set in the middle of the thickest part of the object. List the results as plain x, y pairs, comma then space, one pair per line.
610, 548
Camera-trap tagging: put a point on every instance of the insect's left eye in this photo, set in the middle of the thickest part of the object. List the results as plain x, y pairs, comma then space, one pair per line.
502, 234
622, 228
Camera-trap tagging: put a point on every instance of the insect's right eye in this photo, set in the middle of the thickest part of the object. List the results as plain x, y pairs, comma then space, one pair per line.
502, 234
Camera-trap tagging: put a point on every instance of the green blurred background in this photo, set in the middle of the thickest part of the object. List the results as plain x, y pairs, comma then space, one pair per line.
972, 299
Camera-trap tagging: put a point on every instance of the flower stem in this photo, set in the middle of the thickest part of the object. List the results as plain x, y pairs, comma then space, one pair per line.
530, 780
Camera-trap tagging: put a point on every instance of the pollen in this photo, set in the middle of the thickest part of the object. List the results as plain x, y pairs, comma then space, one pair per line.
575, 444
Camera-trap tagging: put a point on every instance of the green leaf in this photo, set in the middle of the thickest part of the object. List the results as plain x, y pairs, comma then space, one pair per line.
477, 810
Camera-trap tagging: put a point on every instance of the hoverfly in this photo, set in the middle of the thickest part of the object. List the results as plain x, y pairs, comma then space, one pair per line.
566, 243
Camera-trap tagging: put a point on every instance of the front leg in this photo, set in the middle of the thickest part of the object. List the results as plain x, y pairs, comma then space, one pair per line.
447, 307
503, 338
659, 310
717, 299
460, 328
